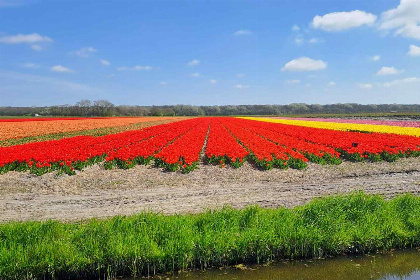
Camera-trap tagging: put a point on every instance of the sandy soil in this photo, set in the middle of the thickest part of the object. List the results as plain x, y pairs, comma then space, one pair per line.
95, 192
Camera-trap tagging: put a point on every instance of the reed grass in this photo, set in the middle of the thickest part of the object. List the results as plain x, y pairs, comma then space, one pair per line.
150, 243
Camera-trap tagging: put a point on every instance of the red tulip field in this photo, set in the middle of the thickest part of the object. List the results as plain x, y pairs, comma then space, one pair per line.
216, 140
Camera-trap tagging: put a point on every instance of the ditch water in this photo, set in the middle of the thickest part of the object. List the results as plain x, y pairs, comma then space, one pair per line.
389, 266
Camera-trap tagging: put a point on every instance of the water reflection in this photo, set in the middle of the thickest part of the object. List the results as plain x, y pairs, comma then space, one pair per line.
396, 265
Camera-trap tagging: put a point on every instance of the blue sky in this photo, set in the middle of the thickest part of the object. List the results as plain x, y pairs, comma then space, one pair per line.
209, 52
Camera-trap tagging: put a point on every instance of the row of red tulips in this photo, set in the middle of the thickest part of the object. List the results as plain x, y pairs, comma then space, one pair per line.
354, 146
229, 141
77, 152
264, 153
222, 147
185, 151
142, 152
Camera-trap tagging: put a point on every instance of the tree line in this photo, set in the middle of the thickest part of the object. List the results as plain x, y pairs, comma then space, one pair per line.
104, 108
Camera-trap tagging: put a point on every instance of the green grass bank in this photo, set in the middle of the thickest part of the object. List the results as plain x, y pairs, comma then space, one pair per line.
149, 243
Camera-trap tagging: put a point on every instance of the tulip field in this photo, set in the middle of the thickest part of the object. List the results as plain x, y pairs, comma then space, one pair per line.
19, 128
403, 128
360, 121
183, 145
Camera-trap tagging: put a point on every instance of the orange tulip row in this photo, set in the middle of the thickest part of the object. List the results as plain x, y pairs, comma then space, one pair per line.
21, 129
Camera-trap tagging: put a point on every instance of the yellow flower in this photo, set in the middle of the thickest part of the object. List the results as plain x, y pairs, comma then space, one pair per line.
413, 131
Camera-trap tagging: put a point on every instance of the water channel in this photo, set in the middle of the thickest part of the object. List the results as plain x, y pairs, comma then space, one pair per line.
387, 266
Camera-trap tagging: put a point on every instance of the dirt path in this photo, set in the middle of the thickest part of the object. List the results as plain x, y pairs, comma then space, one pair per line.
96, 192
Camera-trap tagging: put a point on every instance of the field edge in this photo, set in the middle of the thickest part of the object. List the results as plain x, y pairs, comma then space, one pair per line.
149, 243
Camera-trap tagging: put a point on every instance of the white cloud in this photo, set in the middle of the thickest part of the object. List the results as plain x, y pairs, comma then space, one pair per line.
293, 82
163, 83
388, 71
30, 65
332, 83
239, 86
24, 39
405, 19
10, 3
401, 82
135, 68
295, 28
315, 40
194, 62
376, 58
34, 40
304, 64
365, 86
37, 48
213, 81
145, 68
195, 74
242, 32
104, 62
339, 21
299, 40
240, 75
84, 52
60, 68
414, 50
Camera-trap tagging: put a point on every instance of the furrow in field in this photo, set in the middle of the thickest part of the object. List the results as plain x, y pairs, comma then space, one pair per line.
222, 146
184, 152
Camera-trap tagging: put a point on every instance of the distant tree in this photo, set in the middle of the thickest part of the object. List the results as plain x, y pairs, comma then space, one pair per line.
167, 111
316, 108
103, 107
156, 111
212, 110
84, 106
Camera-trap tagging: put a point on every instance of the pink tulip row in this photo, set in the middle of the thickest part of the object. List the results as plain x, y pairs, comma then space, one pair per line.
359, 121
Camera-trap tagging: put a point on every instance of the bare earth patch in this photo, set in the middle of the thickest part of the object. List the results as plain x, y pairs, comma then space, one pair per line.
96, 192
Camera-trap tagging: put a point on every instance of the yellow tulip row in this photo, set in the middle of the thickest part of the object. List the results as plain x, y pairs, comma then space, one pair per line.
412, 131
